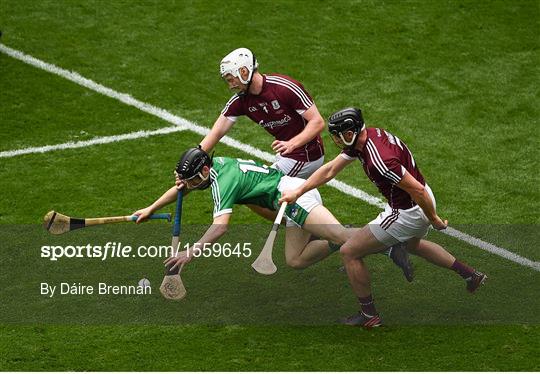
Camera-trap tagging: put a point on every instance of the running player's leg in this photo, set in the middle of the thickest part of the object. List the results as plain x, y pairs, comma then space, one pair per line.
430, 251
439, 256
362, 243
322, 223
299, 251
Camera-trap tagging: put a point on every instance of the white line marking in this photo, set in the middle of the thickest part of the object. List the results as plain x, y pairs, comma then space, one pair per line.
94, 141
88, 83
186, 124
488, 247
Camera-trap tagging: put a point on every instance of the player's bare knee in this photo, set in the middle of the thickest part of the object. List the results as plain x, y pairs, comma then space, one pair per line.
351, 252
347, 252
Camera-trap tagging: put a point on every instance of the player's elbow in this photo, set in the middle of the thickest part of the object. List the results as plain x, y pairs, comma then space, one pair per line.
418, 193
331, 171
319, 124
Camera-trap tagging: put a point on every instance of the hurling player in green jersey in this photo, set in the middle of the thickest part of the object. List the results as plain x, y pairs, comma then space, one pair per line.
237, 181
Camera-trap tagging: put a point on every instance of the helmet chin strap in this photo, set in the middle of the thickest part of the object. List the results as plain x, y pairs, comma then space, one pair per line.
205, 183
246, 82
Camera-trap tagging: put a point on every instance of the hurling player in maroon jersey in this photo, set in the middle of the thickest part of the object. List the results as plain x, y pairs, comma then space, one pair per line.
277, 103
409, 212
281, 106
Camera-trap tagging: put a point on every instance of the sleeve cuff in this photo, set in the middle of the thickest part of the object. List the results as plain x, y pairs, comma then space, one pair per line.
346, 157
222, 212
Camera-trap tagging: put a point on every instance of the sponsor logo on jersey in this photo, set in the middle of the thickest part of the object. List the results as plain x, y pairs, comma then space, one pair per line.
275, 104
271, 124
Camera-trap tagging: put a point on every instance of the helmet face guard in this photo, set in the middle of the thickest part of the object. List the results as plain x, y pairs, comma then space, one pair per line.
237, 59
342, 121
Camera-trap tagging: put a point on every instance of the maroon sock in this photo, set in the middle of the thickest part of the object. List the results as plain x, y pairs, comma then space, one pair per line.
464, 270
367, 305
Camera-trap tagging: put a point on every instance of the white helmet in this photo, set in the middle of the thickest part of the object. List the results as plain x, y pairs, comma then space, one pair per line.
241, 57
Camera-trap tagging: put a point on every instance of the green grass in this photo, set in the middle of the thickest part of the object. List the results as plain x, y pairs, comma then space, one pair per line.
456, 80
231, 348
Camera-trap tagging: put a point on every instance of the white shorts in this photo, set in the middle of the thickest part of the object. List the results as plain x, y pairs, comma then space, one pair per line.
293, 168
297, 213
399, 225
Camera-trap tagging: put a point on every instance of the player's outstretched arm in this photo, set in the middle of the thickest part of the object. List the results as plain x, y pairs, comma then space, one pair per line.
314, 126
324, 174
168, 197
218, 131
420, 195
214, 232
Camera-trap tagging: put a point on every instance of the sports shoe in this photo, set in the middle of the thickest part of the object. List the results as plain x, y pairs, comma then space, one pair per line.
360, 319
475, 281
400, 256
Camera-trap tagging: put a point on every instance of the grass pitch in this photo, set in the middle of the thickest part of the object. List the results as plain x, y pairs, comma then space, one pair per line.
457, 81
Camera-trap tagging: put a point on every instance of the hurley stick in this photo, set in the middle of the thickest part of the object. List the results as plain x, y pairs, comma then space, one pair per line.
58, 223
264, 263
172, 286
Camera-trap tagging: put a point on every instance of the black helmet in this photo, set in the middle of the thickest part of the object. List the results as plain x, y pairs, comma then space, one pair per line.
191, 164
348, 119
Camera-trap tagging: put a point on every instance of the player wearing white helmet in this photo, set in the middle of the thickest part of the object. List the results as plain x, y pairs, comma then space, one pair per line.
280, 105
231, 65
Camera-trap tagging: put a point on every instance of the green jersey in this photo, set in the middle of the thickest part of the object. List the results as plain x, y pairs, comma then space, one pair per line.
237, 181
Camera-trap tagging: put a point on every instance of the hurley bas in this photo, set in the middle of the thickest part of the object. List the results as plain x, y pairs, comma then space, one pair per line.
77, 288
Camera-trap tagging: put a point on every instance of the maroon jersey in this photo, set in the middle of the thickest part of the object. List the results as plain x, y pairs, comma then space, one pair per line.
278, 109
385, 159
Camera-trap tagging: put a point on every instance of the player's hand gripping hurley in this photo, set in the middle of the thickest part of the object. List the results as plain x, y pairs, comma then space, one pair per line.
264, 263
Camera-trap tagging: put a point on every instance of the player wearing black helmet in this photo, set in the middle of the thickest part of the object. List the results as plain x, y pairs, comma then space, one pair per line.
238, 181
190, 169
348, 121
411, 209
